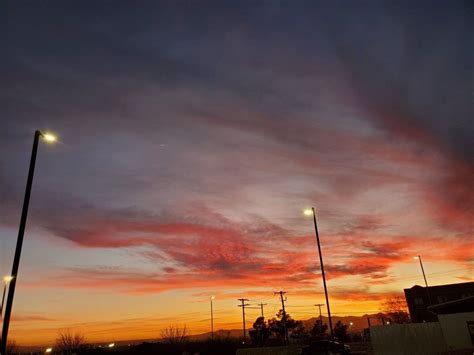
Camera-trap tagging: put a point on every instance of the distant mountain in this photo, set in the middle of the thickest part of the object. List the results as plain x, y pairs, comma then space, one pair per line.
221, 333
358, 324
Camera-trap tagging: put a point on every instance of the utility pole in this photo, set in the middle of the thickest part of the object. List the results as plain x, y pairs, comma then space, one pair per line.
281, 293
320, 315
261, 308
243, 305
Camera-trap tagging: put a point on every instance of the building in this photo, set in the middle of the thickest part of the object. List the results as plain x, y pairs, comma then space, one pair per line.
421, 301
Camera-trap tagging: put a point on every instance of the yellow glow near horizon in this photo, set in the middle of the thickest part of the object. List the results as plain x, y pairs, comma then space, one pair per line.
49, 137
111, 345
49, 350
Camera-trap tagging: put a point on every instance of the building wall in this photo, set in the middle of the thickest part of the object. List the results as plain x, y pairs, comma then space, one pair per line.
451, 333
455, 330
414, 338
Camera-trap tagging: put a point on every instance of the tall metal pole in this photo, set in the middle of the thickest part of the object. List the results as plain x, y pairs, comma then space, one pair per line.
426, 282
19, 243
212, 320
322, 271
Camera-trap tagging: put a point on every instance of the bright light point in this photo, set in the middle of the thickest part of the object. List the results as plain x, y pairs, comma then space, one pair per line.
213, 297
351, 323
7, 279
416, 257
308, 212
49, 137
111, 345
49, 350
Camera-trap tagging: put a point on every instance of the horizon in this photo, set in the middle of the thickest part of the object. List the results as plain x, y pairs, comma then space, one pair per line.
192, 136
200, 335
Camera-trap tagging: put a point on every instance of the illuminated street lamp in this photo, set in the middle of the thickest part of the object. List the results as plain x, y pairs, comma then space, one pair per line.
48, 350
6, 280
418, 257
212, 319
312, 212
50, 138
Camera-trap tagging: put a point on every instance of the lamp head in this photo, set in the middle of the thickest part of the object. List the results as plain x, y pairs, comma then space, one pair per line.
308, 212
7, 279
49, 137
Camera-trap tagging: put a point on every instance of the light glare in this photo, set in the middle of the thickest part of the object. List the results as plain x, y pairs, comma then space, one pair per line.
7, 279
111, 345
308, 212
49, 137
49, 350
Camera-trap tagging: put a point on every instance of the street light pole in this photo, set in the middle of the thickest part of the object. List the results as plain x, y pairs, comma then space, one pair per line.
212, 320
424, 277
322, 271
19, 243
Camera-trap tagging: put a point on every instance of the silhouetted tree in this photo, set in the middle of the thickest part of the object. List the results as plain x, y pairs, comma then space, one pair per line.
68, 342
174, 335
260, 332
277, 326
299, 332
396, 309
318, 332
340, 331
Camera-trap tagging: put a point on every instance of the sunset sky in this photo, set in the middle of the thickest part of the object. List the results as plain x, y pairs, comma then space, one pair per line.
194, 133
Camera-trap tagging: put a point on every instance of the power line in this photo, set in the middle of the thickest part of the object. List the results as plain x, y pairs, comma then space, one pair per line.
260, 307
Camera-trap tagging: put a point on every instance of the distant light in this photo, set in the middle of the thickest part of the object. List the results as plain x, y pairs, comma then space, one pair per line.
308, 212
49, 350
416, 257
388, 322
111, 345
7, 279
351, 324
49, 137
213, 297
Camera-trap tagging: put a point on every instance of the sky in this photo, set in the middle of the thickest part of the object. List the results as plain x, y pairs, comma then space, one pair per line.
193, 134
